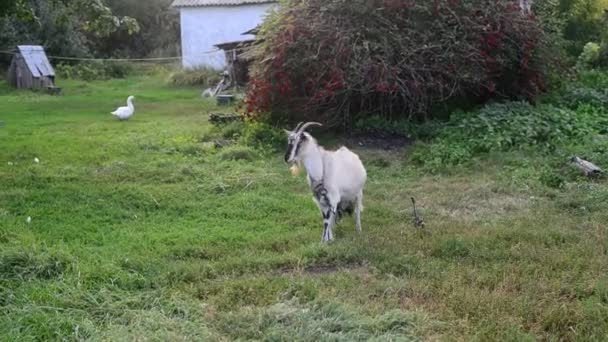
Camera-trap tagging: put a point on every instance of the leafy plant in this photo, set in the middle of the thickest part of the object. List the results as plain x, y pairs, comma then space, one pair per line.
511, 126
440, 154
551, 178
263, 135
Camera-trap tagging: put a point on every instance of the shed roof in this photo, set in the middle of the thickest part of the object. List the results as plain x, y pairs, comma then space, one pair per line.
235, 44
253, 31
36, 60
200, 3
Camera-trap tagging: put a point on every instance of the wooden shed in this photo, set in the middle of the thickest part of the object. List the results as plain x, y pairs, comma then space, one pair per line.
31, 69
238, 60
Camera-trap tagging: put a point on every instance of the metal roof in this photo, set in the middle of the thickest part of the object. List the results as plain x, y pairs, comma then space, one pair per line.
200, 3
36, 60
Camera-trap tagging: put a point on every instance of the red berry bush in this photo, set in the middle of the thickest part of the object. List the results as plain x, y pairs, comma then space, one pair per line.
330, 60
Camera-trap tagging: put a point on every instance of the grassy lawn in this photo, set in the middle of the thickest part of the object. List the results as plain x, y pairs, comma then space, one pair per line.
144, 230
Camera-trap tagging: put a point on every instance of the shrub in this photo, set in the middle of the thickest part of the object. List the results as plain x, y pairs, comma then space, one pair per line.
595, 79
573, 96
551, 178
95, 70
263, 135
205, 77
327, 59
118, 69
588, 87
232, 130
590, 57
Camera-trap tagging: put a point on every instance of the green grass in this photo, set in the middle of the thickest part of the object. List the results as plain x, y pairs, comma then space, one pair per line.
145, 230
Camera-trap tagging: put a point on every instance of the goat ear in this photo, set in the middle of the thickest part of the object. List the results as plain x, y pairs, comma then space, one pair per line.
287, 131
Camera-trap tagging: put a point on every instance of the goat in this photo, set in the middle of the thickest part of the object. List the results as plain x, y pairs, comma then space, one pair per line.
336, 178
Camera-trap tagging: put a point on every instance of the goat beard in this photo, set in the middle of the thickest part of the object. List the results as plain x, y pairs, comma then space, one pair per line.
295, 169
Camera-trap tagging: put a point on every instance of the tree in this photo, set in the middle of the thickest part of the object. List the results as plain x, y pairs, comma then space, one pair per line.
577, 21
159, 34
64, 27
92, 15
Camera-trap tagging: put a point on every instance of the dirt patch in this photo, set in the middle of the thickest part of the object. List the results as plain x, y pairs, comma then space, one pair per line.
384, 141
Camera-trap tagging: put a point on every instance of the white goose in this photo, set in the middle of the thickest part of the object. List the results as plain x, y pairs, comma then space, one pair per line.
124, 113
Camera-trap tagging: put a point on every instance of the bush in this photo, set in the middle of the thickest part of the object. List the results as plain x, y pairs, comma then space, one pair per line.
262, 135
590, 57
589, 87
205, 77
118, 69
573, 96
592, 79
324, 60
232, 130
95, 70
551, 178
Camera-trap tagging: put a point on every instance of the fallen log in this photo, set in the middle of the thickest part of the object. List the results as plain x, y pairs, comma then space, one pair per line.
587, 167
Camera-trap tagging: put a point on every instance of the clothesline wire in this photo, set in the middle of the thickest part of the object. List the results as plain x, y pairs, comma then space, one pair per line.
122, 59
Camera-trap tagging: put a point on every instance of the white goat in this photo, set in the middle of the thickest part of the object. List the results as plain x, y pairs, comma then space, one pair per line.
336, 178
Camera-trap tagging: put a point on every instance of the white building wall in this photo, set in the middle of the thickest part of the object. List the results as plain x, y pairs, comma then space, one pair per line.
202, 27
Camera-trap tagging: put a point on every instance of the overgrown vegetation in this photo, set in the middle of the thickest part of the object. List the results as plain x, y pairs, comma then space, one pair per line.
329, 60
560, 126
577, 22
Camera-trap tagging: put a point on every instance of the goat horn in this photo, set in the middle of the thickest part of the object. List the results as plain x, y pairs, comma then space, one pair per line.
308, 124
298, 126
